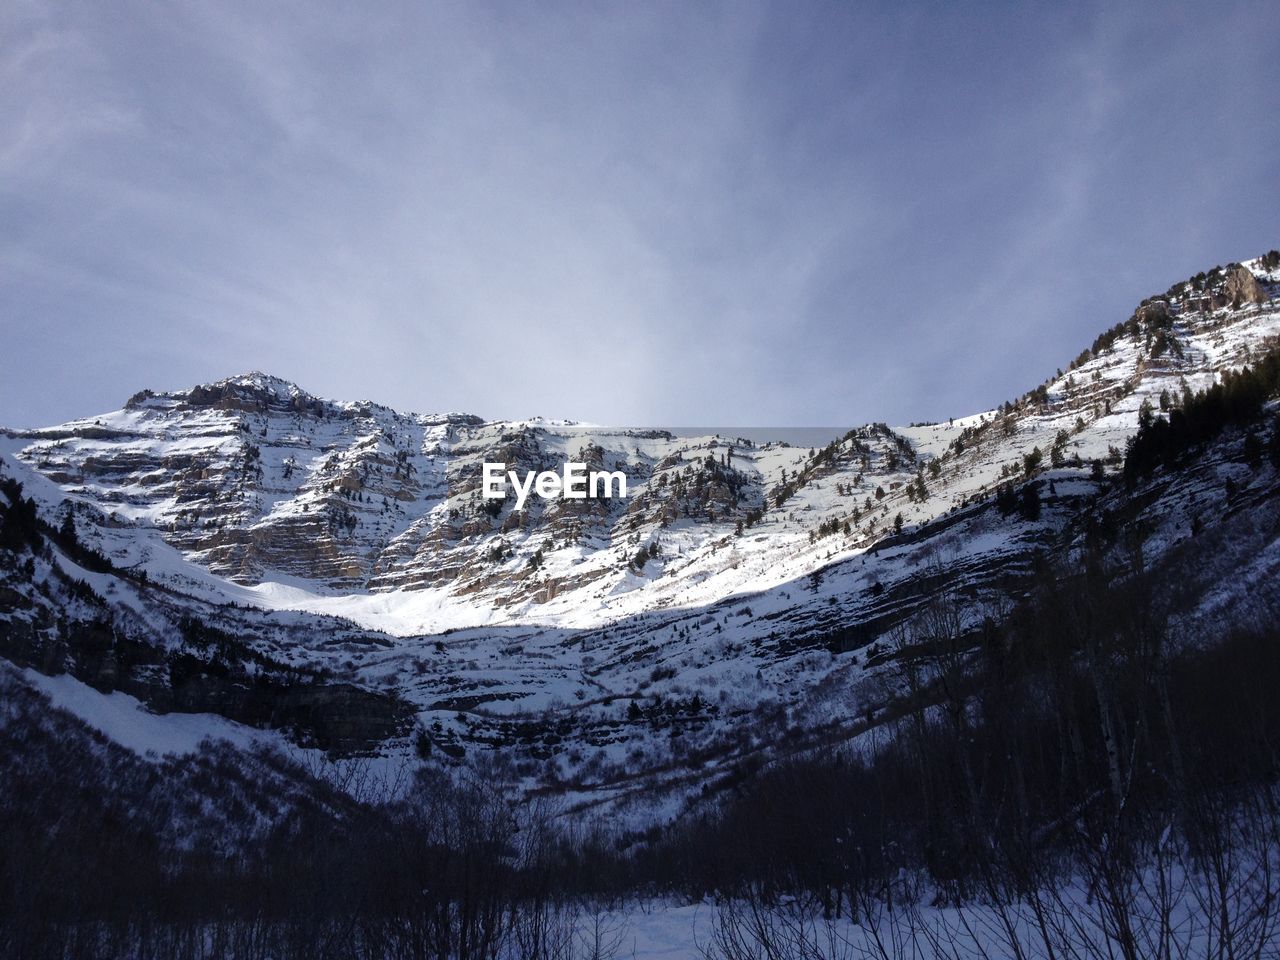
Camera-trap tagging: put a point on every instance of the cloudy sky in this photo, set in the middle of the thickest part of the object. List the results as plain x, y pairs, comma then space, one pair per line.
631, 213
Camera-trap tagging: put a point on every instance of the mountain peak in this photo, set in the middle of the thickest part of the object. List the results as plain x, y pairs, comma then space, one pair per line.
254, 390
258, 380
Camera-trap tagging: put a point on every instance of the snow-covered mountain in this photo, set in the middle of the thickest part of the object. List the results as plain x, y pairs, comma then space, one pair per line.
308, 500
330, 569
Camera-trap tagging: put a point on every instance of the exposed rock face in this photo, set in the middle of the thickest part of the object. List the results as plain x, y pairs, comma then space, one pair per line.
1154, 313
1242, 287
253, 477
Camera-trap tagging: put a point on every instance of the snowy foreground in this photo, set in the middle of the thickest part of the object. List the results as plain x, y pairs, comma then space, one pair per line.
1166, 916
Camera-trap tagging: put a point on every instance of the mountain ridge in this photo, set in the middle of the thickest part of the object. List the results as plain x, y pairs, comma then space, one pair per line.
765, 619
262, 482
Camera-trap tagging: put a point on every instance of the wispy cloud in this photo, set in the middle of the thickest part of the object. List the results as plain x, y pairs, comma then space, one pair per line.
642, 213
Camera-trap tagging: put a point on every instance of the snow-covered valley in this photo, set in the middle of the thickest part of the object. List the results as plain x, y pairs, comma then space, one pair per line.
319, 587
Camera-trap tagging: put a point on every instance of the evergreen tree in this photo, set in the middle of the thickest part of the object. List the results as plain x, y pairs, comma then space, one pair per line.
1032, 461
1030, 504
1252, 450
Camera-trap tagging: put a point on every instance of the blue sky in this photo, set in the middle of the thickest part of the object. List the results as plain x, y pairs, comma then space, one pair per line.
764, 214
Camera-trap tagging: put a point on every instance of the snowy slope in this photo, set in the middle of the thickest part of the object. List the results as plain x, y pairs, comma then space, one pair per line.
349, 540
353, 509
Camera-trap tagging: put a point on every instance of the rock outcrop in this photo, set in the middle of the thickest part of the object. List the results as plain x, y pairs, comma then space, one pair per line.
1242, 287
